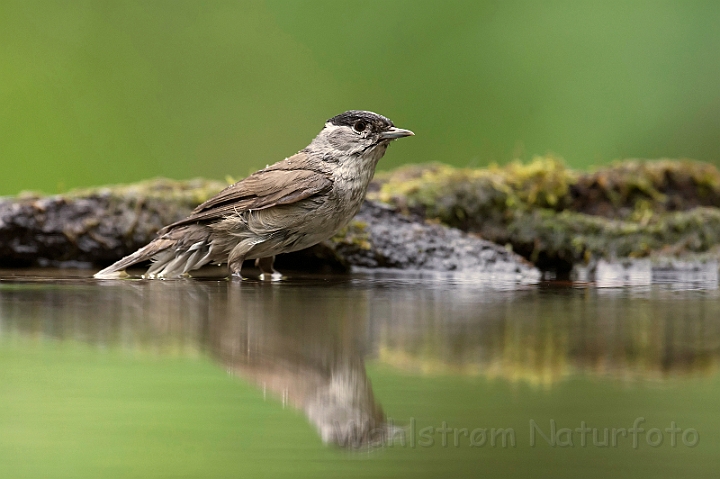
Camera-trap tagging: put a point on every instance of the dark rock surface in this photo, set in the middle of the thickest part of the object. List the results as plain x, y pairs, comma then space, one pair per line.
97, 229
380, 237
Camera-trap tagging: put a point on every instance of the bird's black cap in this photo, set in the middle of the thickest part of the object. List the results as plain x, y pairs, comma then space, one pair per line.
349, 118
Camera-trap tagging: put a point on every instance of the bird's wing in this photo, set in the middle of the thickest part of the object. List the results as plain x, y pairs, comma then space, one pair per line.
281, 184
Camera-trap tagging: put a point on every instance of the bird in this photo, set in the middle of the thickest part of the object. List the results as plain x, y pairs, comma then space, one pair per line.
288, 206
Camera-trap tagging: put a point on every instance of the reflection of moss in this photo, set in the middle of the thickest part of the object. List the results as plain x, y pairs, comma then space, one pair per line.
555, 216
546, 339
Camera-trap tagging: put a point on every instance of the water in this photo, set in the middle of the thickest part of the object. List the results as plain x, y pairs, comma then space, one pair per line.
413, 376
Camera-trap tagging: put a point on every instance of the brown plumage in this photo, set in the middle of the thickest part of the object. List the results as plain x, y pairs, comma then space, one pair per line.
291, 205
280, 184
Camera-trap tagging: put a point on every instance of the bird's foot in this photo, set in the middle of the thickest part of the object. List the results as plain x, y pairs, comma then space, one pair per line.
238, 277
274, 276
267, 272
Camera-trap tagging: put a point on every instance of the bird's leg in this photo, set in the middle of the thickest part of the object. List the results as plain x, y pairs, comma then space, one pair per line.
266, 268
235, 269
235, 262
265, 264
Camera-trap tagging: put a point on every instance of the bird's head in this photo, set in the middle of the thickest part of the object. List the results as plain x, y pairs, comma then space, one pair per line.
357, 133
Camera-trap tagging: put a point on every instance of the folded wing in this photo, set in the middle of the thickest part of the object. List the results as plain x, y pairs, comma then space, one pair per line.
267, 188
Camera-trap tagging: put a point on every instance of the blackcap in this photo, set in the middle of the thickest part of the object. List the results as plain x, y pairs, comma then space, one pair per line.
291, 205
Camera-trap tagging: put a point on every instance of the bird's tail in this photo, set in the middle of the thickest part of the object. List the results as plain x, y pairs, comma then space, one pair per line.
173, 254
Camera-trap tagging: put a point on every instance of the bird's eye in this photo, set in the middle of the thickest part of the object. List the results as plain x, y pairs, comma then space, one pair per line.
360, 126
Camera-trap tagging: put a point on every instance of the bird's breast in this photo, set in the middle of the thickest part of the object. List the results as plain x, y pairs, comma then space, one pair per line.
351, 180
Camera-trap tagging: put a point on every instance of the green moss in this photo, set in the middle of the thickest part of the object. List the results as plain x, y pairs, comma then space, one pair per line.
554, 215
576, 237
544, 182
354, 234
185, 192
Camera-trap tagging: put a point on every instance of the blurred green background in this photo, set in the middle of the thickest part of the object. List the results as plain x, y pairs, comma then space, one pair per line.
96, 92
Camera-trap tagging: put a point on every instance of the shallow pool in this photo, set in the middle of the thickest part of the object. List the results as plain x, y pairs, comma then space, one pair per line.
356, 376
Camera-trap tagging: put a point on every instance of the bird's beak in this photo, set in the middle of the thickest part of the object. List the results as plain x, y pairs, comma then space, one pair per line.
394, 133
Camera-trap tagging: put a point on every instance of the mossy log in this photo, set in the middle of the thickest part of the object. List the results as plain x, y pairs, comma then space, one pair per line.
553, 216
557, 217
95, 227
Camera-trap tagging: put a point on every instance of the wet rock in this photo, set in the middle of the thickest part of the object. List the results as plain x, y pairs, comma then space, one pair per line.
698, 273
380, 237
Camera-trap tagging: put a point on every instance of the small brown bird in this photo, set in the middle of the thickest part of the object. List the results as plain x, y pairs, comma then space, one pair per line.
291, 205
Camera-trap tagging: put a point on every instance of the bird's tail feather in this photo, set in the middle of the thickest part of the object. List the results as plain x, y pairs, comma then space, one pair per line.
173, 254
172, 263
117, 269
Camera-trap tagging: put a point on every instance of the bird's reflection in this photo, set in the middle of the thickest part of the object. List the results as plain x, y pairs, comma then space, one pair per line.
305, 342
305, 347
300, 344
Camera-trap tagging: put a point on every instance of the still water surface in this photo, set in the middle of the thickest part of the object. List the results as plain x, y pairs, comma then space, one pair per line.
444, 376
